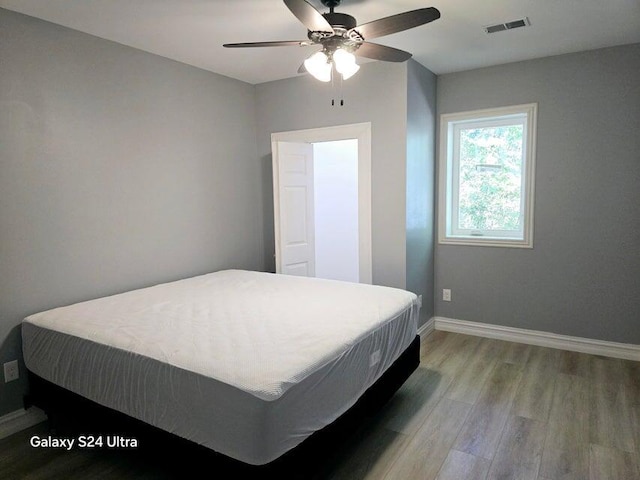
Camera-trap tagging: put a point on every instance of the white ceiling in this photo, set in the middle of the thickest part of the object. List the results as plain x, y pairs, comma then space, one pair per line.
193, 31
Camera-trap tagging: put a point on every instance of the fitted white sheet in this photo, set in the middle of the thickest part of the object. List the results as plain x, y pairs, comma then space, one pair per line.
247, 363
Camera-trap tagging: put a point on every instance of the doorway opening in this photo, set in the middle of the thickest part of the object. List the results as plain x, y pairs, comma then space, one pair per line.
335, 193
322, 202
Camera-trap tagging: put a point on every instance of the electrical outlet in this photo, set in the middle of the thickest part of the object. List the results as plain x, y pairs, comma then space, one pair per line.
11, 371
446, 294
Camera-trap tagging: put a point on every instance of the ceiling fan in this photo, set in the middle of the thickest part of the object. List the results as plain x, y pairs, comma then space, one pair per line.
342, 39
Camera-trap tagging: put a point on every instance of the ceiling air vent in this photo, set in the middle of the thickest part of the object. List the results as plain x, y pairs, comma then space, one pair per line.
501, 27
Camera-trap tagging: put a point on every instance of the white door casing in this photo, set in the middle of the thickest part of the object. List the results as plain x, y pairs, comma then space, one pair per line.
359, 131
296, 209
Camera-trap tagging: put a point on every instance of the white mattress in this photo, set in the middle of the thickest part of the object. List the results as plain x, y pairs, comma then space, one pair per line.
248, 364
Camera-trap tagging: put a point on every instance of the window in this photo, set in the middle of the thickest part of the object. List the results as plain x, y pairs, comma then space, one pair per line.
486, 179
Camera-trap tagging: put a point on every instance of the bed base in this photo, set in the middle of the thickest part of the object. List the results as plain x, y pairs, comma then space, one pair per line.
71, 414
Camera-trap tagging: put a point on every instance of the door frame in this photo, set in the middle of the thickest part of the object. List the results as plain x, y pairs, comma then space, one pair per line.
362, 133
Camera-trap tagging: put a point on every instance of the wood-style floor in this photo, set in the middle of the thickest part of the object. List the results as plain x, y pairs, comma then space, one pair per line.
475, 409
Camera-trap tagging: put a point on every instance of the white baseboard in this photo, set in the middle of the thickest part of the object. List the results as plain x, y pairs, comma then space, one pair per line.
427, 328
20, 420
544, 339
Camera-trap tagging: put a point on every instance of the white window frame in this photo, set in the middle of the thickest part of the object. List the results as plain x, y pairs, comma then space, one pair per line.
450, 126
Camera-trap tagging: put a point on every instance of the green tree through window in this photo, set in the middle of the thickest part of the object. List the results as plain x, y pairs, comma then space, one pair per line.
490, 180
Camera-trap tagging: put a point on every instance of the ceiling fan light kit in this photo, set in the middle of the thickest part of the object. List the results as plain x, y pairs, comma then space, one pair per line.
321, 64
342, 39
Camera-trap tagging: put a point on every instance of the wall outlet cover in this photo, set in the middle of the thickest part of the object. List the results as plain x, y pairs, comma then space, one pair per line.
11, 371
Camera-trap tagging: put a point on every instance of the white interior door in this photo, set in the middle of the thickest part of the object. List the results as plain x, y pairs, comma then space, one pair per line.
295, 251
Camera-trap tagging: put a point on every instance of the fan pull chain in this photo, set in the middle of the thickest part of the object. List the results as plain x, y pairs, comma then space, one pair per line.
334, 88
333, 100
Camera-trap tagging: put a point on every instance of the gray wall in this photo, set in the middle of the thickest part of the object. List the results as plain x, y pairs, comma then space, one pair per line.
582, 277
118, 169
421, 108
377, 94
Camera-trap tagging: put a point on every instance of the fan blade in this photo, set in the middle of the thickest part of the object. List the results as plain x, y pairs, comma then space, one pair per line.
309, 16
287, 43
397, 23
382, 52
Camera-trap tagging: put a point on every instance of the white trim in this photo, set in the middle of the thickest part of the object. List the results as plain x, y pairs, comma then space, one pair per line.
427, 328
626, 351
445, 173
361, 132
20, 420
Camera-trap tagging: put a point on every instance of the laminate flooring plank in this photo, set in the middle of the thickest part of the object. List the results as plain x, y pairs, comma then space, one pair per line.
452, 354
607, 369
409, 407
460, 355
632, 380
427, 450
635, 426
535, 392
482, 430
575, 363
460, 465
18, 458
611, 464
368, 457
517, 353
610, 415
436, 345
514, 472
566, 450
432, 342
469, 381
71, 465
520, 450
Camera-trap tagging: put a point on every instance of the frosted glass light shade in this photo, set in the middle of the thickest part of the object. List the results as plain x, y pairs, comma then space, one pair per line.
318, 66
345, 63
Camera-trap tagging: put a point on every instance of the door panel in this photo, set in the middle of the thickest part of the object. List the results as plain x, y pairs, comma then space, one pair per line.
295, 230
299, 269
295, 192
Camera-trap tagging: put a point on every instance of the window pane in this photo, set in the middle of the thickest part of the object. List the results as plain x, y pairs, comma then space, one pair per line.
490, 180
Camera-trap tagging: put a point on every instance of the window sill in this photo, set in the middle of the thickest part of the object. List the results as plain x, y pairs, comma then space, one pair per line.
486, 242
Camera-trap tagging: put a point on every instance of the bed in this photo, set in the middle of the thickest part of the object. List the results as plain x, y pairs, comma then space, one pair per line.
247, 364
